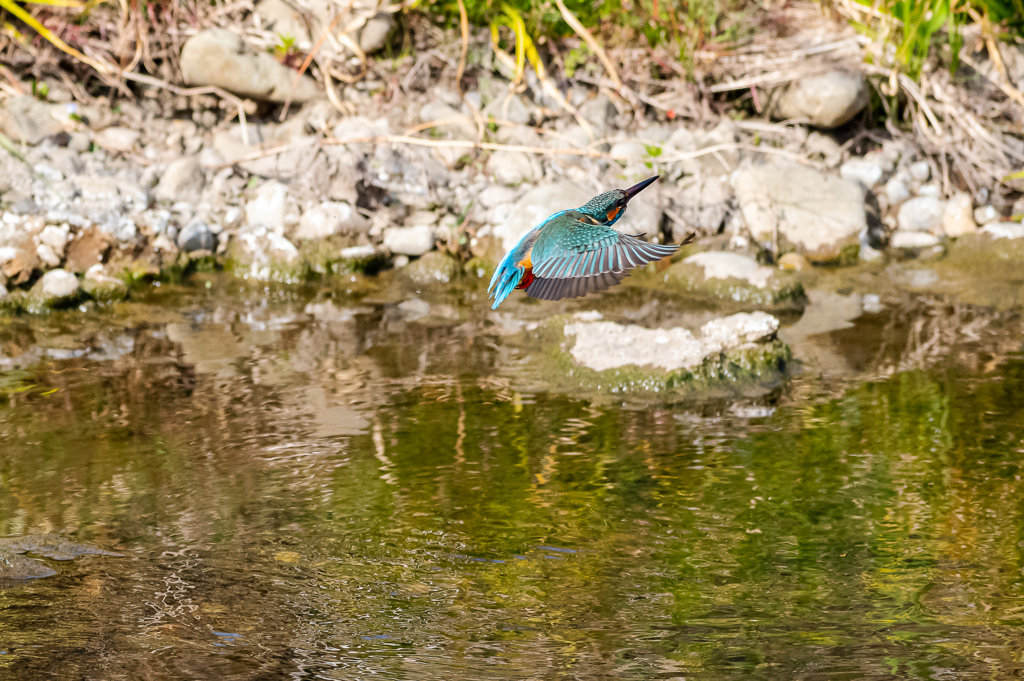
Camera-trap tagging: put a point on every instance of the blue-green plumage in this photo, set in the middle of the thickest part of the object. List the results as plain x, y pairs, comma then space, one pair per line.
576, 252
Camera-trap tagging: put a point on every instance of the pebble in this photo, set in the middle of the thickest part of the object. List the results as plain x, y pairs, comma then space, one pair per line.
56, 286
862, 171
957, 219
329, 218
896, 191
923, 214
182, 181
920, 171
794, 262
828, 100
196, 236
912, 240
1004, 230
985, 214
117, 139
409, 240
929, 189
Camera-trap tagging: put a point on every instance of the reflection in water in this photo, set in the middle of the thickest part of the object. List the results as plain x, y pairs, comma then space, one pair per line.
346, 496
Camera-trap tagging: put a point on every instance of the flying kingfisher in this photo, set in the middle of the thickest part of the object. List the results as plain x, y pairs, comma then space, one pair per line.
576, 252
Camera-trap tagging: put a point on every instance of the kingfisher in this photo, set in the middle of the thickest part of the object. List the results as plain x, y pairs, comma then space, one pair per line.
576, 252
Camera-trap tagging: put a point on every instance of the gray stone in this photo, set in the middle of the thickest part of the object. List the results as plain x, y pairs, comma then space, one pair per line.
862, 171
923, 214
929, 189
912, 240
182, 181
99, 286
269, 207
197, 236
219, 57
458, 125
703, 204
724, 160
827, 100
376, 32
956, 218
284, 21
330, 218
27, 120
819, 214
537, 204
15, 566
409, 240
896, 191
495, 195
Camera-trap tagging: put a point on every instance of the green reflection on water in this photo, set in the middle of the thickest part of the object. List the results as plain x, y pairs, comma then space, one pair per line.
460, 530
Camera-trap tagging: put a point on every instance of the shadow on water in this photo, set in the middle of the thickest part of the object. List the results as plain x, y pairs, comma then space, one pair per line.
342, 493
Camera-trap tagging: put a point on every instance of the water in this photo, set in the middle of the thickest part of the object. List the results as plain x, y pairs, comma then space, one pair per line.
354, 495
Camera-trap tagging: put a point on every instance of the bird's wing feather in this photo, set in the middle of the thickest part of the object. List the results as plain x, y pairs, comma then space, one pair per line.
556, 289
569, 248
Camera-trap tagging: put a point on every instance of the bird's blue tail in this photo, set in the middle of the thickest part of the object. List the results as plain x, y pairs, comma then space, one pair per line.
506, 278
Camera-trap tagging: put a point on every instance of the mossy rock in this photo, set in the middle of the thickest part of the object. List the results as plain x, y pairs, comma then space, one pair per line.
747, 369
781, 292
433, 268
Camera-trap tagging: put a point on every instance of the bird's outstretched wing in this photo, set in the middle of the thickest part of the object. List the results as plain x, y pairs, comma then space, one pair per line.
572, 258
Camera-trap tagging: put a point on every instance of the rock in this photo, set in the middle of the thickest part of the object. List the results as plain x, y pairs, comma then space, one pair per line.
20, 261
55, 237
284, 21
606, 345
1004, 230
26, 120
509, 108
458, 125
182, 181
704, 204
197, 236
47, 256
817, 143
957, 218
433, 268
496, 195
264, 255
117, 139
14, 566
723, 265
101, 287
409, 240
795, 262
929, 189
88, 248
920, 171
863, 171
820, 215
376, 32
985, 214
512, 168
357, 127
896, 191
828, 100
270, 207
923, 214
912, 240
53, 545
537, 204
219, 57
56, 288
330, 218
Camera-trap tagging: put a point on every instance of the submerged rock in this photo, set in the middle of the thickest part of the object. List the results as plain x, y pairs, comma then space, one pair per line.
53, 545
15, 566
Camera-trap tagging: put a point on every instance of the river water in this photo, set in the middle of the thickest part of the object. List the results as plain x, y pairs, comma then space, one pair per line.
318, 490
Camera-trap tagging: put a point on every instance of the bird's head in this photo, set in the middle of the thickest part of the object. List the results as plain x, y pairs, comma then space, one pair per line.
607, 208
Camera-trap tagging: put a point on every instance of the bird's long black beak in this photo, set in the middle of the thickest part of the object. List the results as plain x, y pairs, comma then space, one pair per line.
640, 186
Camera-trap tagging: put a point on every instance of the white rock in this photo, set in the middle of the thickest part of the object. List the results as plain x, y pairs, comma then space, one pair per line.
375, 32
57, 285
1004, 230
117, 139
329, 218
182, 181
420, 218
409, 240
3, 291
827, 100
929, 189
606, 345
270, 207
912, 240
281, 248
985, 214
920, 171
55, 237
896, 191
818, 213
357, 252
724, 265
26, 120
863, 171
923, 214
495, 195
957, 219
219, 57
47, 255
535, 206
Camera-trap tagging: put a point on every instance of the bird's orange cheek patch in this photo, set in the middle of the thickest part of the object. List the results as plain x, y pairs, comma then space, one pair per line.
612, 213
